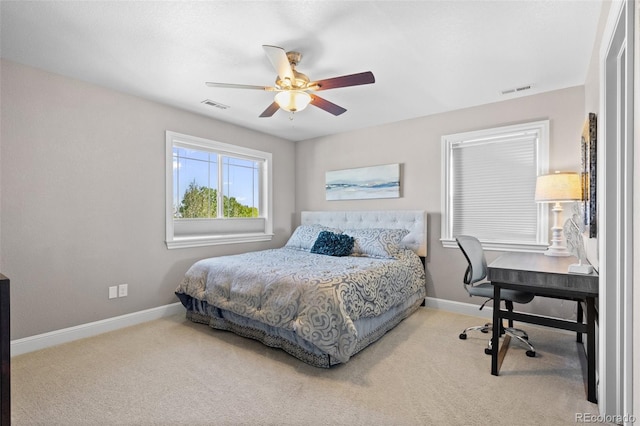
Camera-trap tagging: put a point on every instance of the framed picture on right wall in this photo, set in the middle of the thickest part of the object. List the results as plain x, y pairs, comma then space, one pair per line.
589, 174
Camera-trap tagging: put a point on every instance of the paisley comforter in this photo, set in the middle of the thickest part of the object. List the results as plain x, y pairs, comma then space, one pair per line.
316, 296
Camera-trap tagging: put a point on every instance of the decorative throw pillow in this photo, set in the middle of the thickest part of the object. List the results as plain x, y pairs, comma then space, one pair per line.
377, 242
333, 244
305, 236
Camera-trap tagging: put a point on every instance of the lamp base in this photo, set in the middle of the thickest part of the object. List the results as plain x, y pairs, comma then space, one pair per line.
580, 268
557, 248
557, 251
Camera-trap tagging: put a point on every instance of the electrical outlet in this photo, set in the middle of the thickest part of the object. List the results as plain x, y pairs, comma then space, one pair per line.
123, 290
113, 292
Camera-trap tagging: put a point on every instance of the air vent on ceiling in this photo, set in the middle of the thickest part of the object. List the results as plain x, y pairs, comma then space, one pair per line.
517, 89
215, 104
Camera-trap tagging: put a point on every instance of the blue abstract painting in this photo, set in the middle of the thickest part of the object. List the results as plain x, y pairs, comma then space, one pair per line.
364, 182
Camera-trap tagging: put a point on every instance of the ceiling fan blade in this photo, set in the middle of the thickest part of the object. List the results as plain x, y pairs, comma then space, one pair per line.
271, 109
240, 86
324, 104
278, 58
343, 81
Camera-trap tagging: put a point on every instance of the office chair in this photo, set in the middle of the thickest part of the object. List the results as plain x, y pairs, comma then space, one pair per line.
477, 271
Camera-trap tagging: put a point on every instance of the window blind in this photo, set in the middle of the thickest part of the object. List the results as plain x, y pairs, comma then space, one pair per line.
492, 188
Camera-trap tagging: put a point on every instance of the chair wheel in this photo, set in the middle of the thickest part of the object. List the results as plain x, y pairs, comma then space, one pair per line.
487, 351
484, 330
463, 336
531, 354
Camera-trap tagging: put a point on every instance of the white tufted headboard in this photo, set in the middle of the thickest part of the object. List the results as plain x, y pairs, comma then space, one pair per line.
413, 220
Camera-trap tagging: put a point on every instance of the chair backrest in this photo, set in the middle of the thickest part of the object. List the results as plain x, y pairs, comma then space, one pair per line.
472, 250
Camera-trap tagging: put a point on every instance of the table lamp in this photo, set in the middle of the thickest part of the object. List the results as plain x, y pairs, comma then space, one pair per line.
558, 187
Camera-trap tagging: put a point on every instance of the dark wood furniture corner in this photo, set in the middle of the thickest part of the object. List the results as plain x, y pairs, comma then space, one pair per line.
5, 354
546, 276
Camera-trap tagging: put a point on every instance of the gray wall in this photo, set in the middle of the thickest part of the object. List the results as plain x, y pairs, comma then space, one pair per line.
416, 145
82, 194
83, 198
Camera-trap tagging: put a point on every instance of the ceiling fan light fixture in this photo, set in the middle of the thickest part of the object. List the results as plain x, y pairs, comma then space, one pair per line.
293, 100
292, 87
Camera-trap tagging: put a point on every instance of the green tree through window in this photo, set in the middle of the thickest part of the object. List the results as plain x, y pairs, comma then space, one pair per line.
202, 202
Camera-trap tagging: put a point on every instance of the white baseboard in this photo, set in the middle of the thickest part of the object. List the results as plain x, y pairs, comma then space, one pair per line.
57, 337
474, 311
53, 338
460, 307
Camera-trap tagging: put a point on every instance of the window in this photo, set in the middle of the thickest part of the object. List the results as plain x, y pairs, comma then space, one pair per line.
216, 193
488, 186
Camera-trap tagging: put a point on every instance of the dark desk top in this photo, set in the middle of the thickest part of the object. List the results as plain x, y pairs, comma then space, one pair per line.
541, 274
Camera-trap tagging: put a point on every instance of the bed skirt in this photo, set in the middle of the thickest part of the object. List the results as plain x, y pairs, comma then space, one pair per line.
369, 329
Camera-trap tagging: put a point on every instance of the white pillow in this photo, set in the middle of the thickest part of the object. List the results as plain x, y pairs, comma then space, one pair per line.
376, 242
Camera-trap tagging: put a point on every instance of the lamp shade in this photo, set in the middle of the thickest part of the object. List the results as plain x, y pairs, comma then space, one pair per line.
293, 100
558, 187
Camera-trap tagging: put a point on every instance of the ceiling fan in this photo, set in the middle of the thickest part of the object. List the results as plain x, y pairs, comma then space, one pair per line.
294, 89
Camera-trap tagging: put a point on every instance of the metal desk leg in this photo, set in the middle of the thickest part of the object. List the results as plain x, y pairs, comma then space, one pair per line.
591, 351
495, 339
579, 321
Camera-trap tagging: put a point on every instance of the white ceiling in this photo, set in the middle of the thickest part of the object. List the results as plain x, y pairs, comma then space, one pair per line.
427, 56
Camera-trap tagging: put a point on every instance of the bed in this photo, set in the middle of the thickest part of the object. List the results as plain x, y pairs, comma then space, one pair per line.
343, 279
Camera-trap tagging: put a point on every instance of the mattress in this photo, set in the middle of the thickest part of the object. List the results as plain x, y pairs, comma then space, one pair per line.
320, 309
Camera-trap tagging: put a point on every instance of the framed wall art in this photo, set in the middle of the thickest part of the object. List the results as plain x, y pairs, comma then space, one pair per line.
363, 183
589, 174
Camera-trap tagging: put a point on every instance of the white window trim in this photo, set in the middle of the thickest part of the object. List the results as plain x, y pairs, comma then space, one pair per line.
446, 237
232, 234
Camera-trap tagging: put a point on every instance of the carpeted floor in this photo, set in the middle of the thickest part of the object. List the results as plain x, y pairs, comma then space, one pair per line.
173, 372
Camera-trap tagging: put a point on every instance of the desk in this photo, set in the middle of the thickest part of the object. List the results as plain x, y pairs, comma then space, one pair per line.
546, 276
5, 353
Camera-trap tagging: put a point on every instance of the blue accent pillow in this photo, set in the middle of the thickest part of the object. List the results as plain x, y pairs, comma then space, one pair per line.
305, 236
333, 244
